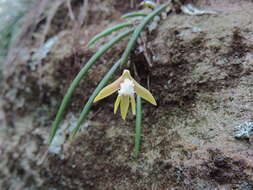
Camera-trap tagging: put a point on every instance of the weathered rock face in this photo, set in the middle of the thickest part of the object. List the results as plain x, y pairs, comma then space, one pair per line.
201, 76
11, 13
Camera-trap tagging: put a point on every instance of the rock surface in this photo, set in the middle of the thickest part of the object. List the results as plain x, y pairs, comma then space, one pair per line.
201, 76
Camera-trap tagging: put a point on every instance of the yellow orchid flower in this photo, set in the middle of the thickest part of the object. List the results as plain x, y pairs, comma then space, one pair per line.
126, 87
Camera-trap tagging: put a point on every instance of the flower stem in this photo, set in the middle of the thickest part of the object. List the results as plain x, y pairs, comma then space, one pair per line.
79, 77
138, 127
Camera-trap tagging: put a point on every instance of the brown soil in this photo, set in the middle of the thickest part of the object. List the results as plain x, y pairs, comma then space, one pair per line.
201, 77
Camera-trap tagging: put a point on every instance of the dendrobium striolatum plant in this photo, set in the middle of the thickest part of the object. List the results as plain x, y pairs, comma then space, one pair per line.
127, 88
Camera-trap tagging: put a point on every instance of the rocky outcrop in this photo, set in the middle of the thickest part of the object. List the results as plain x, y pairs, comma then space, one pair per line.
201, 75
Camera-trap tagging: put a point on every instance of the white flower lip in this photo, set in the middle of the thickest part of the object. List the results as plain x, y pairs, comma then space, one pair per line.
127, 88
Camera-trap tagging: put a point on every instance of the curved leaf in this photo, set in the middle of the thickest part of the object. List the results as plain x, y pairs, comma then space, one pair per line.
139, 29
79, 77
122, 61
134, 14
88, 105
108, 31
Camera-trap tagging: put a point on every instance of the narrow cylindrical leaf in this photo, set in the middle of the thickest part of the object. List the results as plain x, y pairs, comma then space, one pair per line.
79, 77
138, 30
108, 31
134, 14
137, 141
88, 105
122, 61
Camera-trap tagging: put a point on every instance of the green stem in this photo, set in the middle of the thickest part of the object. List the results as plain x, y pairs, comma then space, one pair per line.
88, 105
122, 61
79, 77
138, 128
134, 14
108, 31
138, 30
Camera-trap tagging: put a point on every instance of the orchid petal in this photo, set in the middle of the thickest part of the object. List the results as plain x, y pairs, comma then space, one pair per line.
144, 93
124, 105
126, 74
108, 90
133, 105
117, 102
